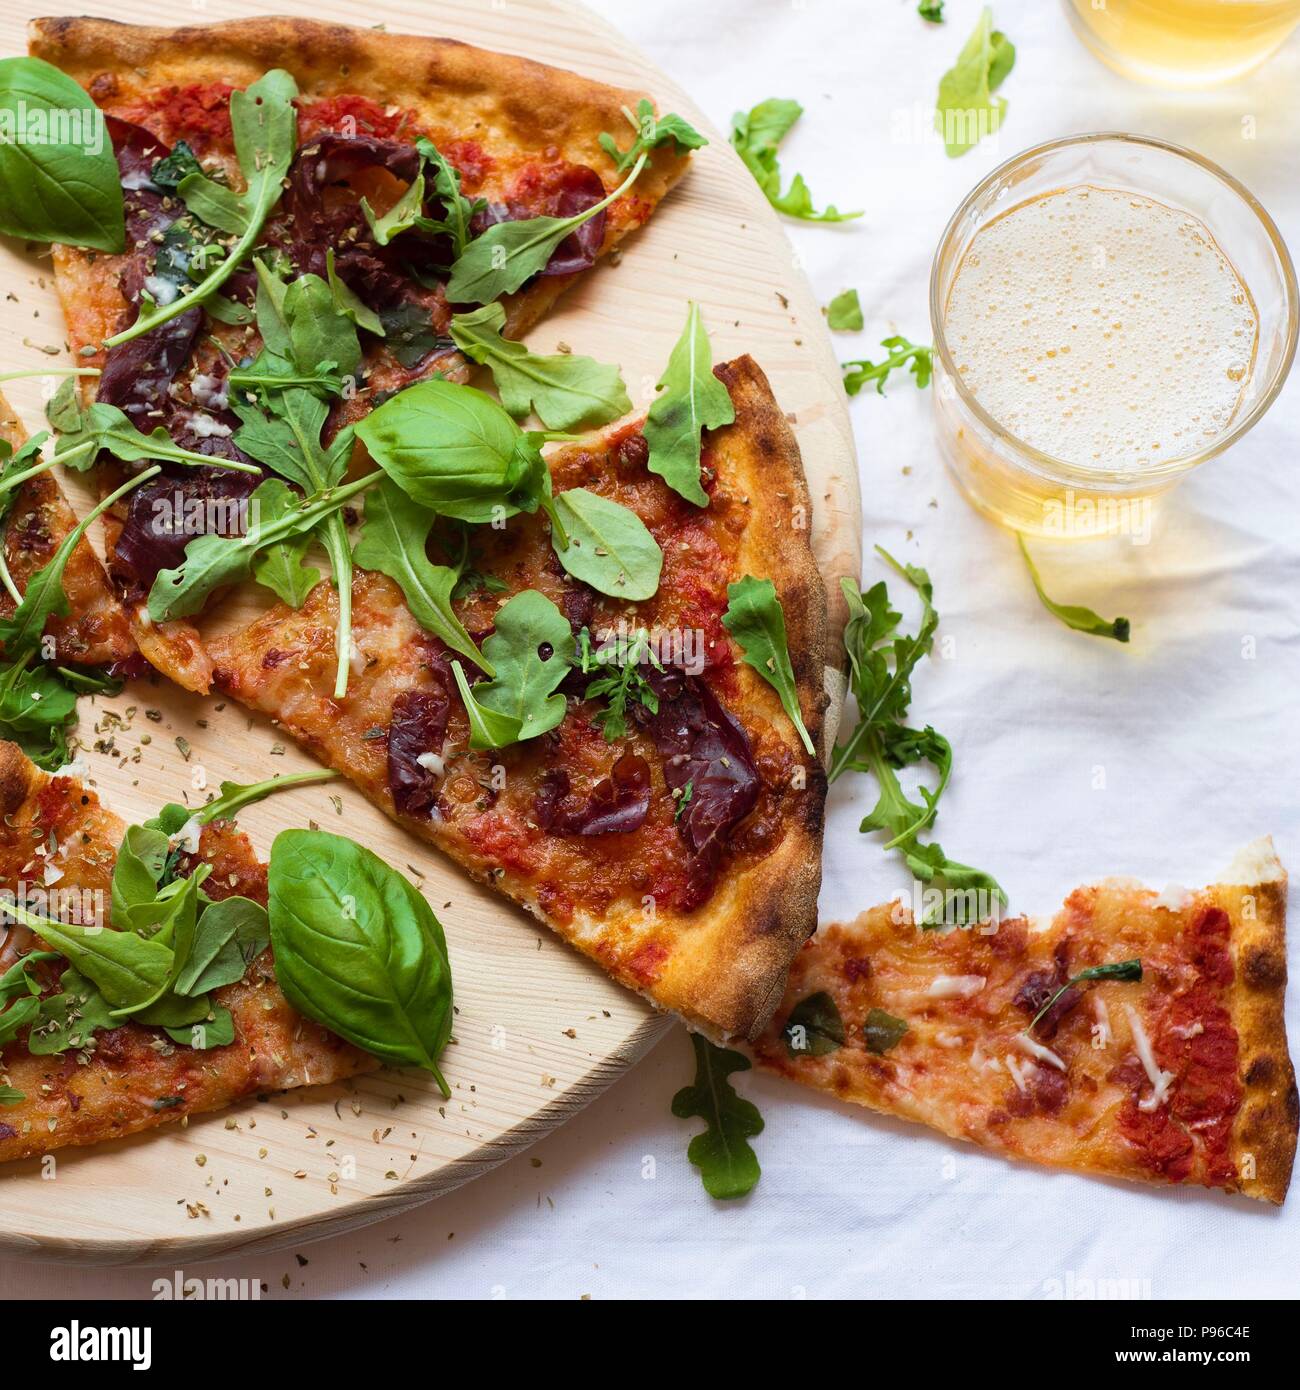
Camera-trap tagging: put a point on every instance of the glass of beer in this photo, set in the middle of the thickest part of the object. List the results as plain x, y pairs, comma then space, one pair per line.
1183, 43
1109, 312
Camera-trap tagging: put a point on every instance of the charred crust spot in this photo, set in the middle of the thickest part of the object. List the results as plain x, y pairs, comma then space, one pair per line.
1261, 1071
1263, 968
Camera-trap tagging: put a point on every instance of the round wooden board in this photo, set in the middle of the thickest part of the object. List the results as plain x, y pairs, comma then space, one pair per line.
539, 1031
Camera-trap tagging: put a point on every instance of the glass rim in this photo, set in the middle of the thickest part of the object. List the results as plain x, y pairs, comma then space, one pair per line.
1059, 469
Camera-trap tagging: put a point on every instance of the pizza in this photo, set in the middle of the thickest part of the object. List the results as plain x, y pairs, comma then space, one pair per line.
519, 140
104, 1082
1137, 1035
95, 631
684, 853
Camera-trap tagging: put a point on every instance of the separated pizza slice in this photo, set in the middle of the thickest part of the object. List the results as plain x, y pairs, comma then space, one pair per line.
72, 1075
36, 517
396, 182
1137, 1035
657, 805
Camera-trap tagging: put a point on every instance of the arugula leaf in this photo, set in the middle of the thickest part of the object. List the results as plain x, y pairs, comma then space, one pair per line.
931, 10
1073, 615
651, 132
401, 217
844, 312
18, 1016
814, 1027
229, 935
530, 652
50, 190
36, 708
216, 1028
509, 253
280, 568
128, 969
881, 663
234, 796
16, 982
458, 211
358, 949
265, 125
1129, 970
211, 562
756, 620
565, 390
621, 690
394, 542
728, 1166
966, 110
755, 136
919, 361
10, 1096
608, 545
104, 426
883, 1031
347, 302
692, 400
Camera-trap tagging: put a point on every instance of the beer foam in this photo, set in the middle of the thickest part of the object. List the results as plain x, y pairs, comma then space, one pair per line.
1103, 328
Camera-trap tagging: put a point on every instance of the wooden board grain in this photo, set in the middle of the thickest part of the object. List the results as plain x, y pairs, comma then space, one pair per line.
539, 1030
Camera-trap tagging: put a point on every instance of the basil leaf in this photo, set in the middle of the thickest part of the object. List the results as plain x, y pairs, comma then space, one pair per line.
651, 132
451, 448
318, 331
10, 1096
1075, 615
509, 253
755, 136
755, 618
728, 1166
171, 169
918, 360
844, 312
176, 915
530, 652
215, 1029
50, 190
608, 546
70, 1019
692, 400
358, 949
966, 110
882, 1031
410, 335
565, 390
394, 542
265, 126
814, 1027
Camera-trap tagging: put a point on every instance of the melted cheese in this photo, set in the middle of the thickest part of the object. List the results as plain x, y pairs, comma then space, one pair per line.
955, 986
1036, 1050
1160, 1080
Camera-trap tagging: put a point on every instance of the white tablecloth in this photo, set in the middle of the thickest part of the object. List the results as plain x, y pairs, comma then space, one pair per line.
1196, 744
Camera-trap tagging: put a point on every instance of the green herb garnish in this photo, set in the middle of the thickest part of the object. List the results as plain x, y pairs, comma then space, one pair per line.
844, 312
728, 1166
814, 1027
966, 109
918, 360
756, 621
882, 1031
756, 136
1074, 615
1117, 970
625, 687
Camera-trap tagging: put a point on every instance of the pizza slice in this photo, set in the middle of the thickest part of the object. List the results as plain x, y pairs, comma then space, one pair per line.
36, 517
401, 180
76, 1076
667, 818
1138, 1035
